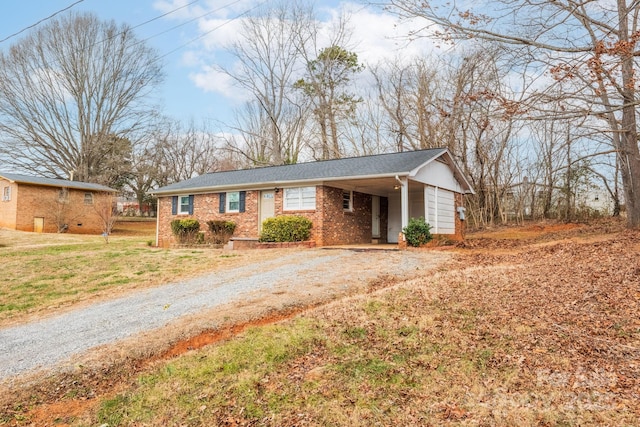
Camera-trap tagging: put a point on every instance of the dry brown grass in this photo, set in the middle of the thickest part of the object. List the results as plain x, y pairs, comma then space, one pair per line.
545, 333
44, 273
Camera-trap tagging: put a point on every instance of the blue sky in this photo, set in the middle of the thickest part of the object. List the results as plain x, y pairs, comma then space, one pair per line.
192, 91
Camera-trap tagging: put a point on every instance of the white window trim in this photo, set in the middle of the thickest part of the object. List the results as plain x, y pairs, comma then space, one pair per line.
350, 208
90, 199
180, 211
6, 194
228, 202
297, 198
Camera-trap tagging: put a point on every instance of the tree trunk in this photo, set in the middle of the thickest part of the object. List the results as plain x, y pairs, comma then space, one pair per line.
628, 152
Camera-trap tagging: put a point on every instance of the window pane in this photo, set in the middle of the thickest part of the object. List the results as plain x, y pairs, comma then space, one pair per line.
308, 198
184, 204
300, 198
346, 200
291, 199
233, 202
88, 198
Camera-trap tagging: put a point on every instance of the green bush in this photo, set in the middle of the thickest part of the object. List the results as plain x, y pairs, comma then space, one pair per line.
185, 230
221, 230
286, 228
417, 232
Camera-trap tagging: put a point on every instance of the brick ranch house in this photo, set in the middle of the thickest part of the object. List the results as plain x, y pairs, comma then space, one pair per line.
349, 201
49, 205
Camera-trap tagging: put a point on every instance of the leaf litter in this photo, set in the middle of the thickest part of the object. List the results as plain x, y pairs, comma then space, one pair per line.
536, 330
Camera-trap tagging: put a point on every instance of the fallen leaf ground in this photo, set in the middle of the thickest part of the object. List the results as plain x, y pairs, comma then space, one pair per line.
536, 325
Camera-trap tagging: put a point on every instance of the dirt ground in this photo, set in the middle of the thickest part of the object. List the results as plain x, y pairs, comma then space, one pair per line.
105, 372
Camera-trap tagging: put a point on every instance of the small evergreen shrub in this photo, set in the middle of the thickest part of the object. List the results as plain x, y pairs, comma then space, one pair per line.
417, 232
286, 228
221, 230
185, 230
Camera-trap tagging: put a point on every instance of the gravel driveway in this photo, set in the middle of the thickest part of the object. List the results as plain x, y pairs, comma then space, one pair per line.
316, 274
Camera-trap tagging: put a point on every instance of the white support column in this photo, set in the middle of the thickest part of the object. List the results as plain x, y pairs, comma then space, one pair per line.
404, 201
426, 204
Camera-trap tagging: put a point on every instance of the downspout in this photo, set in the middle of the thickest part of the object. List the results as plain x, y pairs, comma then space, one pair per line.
158, 222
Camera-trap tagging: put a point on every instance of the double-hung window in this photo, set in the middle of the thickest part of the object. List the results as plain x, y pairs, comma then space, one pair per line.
347, 201
88, 198
182, 205
233, 201
6, 194
299, 198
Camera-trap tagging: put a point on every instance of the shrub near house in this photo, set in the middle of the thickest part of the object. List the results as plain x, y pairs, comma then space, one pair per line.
286, 228
186, 230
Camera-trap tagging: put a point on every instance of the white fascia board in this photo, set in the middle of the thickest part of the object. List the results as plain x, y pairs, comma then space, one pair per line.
271, 185
457, 172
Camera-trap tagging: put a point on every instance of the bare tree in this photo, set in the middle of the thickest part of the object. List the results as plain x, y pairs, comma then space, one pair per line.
146, 172
588, 47
71, 92
184, 153
60, 209
267, 58
413, 95
253, 142
106, 209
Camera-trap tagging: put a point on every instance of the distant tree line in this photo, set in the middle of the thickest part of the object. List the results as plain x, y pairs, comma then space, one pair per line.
532, 130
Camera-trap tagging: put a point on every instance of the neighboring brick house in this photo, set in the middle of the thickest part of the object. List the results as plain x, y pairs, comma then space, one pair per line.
353, 200
29, 203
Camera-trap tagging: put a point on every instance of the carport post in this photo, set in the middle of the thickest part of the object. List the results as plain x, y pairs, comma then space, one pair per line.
404, 201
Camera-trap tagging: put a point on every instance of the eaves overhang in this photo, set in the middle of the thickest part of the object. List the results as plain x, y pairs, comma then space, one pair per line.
272, 184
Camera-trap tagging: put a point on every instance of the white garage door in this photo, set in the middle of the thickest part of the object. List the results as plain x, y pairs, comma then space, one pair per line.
441, 208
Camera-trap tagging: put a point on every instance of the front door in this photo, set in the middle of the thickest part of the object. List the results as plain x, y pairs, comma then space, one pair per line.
38, 224
267, 206
375, 216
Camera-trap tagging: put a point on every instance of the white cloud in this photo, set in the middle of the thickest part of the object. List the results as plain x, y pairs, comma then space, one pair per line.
212, 80
375, 36
378, 35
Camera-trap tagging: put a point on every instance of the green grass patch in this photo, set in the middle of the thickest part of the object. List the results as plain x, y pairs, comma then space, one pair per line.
231, 375
42, 271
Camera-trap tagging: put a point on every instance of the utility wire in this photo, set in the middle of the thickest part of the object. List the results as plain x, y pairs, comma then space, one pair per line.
40, 21
185, 22
164, 14
246, 12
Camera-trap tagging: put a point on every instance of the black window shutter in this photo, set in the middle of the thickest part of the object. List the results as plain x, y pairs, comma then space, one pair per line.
222, 202
191, 197
243, 198
174, 205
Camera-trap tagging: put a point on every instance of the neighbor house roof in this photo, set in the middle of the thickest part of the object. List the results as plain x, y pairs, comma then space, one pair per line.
53, 182
377, 166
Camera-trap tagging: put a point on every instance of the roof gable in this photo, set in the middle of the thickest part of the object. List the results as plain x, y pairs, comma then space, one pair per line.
53, 182
381, 165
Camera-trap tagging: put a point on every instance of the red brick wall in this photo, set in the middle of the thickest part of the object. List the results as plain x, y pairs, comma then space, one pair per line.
32, 201
331, 224
206, 207
8, 209
345, 227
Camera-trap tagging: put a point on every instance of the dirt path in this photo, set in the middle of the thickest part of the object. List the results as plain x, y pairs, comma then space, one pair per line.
148, 320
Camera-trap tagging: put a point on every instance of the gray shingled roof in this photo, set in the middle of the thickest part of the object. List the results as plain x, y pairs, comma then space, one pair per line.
325, 170
52, 182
